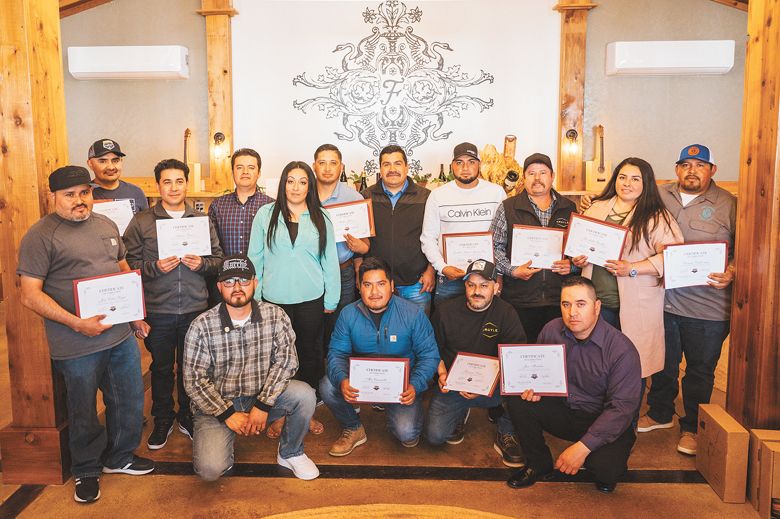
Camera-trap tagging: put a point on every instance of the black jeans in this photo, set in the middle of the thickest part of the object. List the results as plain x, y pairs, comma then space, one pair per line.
348, 295
166, 344
308, 319
535, 317
607, 463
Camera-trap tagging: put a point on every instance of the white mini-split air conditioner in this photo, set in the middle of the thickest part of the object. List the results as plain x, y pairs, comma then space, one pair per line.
664, 58
129, 62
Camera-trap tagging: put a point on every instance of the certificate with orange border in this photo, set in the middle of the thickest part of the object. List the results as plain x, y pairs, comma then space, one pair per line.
462, 249
599, 241
690, 264
119, 296
541, 367
473, 373
379, 380
539, 245
354, 218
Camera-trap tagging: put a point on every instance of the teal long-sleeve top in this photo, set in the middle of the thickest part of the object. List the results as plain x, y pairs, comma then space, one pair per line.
290, 274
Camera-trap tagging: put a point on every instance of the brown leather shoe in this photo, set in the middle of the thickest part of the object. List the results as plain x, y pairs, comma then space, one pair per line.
349, 439
687, 444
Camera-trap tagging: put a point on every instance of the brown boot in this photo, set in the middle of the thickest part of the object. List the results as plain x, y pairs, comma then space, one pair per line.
349, 439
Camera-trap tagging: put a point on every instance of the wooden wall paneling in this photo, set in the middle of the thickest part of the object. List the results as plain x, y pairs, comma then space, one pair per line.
574, 17
753, 392
32, 144
219, 61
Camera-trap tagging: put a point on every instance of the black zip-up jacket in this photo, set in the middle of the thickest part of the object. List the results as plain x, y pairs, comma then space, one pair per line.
544, 288
398, 231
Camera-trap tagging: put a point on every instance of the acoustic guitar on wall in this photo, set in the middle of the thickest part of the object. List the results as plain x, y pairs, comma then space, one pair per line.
597, 171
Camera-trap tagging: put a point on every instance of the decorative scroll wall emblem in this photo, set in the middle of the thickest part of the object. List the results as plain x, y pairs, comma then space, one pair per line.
392, 86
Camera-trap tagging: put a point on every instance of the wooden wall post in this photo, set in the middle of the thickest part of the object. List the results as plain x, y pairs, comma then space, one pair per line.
32, 144
574, 18
753, 392
219, 58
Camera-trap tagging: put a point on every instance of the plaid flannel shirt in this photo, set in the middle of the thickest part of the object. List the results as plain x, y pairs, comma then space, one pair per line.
223, 362
233, 220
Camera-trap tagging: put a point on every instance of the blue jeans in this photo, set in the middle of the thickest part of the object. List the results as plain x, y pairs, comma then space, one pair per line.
446, 410
404, 421
701, 342
446, 289
117, 373
212, 448
166, 344
412, 293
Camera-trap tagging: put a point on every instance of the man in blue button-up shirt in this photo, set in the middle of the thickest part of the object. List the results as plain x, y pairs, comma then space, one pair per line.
604, 386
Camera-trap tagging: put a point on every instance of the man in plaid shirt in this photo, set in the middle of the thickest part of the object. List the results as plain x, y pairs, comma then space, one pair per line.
239, 361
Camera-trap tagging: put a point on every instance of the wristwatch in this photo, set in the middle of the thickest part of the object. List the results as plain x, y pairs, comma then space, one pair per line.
633, 272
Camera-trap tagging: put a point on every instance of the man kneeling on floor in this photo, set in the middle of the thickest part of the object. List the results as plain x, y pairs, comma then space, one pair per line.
380, 324
604, 383
476, 323
239, 360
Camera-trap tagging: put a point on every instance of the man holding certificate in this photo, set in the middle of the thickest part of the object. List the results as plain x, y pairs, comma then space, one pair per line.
106, 159
384, 327
603, 380
468, 330
174, 287
532, 288
465, 205
71, 244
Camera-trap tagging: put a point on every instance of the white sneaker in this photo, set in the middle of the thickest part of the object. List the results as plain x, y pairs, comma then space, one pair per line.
302, 466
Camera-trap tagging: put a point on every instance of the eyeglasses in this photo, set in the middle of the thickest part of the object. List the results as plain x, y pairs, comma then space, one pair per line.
232, 281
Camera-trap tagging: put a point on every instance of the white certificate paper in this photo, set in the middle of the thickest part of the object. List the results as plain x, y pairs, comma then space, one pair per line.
460, 250
541, 245
355, 218
541, 367
120, 297
473, 373
119, 211
181, 236
689, 264
379, 380
595, 239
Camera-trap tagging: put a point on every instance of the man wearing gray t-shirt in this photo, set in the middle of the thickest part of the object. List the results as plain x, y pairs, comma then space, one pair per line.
70, 244
105, 158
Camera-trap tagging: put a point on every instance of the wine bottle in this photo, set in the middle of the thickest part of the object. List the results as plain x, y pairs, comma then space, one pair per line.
510, 180
363, 184
343, 177
442, 177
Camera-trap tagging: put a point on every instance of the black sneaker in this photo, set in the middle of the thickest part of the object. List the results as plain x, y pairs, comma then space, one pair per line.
186, 427
87, 489
494, 413
460, 430
159, 436
138, 467
511, 453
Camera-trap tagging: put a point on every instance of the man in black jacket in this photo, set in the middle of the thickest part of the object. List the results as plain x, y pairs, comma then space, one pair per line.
399, 208
534, 293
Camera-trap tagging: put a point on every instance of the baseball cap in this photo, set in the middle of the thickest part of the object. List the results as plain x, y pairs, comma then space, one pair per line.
236, 266
465, 148
537, 158
696, 151
482, 267
68, 176
103, 146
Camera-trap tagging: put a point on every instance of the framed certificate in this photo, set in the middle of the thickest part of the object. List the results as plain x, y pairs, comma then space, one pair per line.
181, 236
689, 264
461, 249
119, 211
355, 218
541, 245
473, 373
379, 380
119, 296
541, 367
599, 241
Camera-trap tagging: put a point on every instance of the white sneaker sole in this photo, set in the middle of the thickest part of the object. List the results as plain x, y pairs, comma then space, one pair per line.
131, 472
654, 427
79, 500
306, 477
504, 461
689, 452
356, 444
163, 444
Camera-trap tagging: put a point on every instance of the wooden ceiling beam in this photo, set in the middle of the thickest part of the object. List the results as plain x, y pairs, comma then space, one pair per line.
742, 5
69, 7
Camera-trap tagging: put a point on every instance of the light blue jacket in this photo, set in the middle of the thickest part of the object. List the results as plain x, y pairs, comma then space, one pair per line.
289, 274
404, 332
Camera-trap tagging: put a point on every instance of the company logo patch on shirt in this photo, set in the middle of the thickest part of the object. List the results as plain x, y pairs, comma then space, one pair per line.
561, 223
489, 330
707, 212
113, 242
393, 338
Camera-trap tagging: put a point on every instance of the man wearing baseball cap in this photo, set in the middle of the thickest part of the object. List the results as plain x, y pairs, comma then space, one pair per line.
70, 244
475, 323
696, 319
105, 159
466, 204
239, 362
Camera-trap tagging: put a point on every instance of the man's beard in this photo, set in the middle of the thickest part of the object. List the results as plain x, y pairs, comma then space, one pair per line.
468, 180
229, 300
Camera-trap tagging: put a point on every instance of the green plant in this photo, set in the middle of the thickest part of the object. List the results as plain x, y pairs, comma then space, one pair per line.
355, 177
421, 177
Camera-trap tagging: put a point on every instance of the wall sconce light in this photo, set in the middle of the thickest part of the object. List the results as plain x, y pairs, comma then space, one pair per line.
571, 145
219, 145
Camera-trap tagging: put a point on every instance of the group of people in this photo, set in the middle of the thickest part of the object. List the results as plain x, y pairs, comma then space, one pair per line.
258, 333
